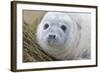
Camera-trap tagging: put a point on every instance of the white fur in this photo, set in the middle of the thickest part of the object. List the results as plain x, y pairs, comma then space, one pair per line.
74, 43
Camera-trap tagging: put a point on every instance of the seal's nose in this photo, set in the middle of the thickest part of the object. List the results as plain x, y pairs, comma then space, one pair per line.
52, 36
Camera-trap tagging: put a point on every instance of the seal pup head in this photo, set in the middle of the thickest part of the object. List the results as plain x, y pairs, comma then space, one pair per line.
55, 32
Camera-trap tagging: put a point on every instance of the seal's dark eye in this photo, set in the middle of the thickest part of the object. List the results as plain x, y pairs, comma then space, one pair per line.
63, 27
46, 26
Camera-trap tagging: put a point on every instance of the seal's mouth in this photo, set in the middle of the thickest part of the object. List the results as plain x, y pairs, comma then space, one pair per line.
52, 41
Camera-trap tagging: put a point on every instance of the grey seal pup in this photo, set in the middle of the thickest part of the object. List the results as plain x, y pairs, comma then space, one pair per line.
65, 36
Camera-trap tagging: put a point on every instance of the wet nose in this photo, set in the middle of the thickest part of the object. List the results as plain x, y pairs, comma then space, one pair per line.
52, 36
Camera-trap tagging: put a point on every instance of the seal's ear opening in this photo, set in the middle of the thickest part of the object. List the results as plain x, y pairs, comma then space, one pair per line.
79, 26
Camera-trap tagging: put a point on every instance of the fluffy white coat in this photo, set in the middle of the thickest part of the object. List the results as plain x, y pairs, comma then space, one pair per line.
72, 44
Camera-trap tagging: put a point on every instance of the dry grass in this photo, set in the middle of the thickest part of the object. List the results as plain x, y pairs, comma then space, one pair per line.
31, 50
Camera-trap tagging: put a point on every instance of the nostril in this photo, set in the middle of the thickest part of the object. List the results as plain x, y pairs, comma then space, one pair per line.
52, 36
